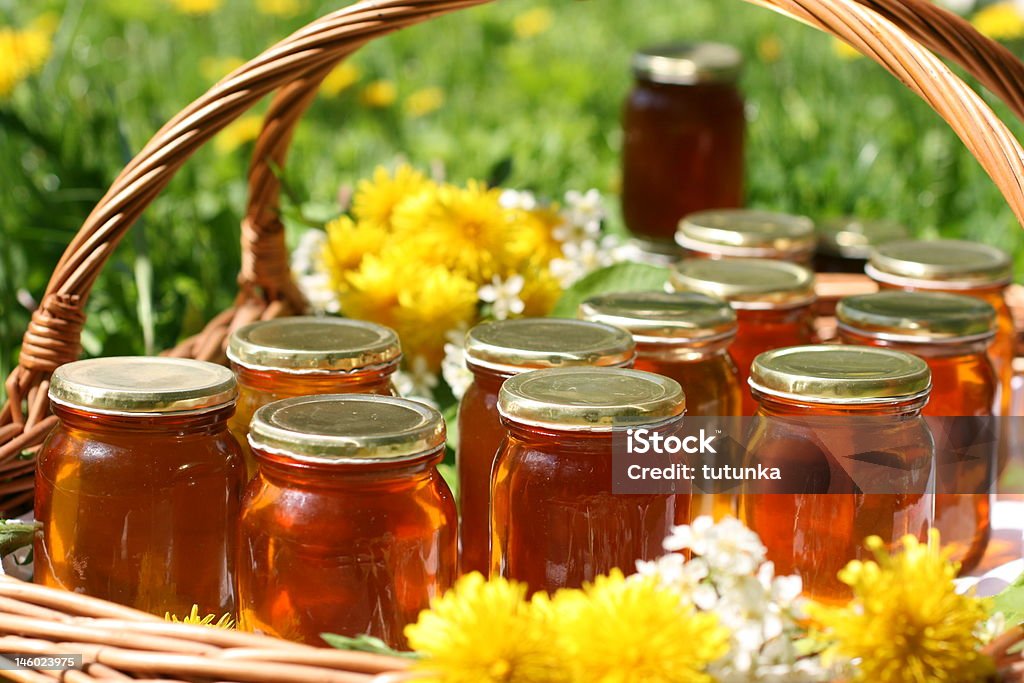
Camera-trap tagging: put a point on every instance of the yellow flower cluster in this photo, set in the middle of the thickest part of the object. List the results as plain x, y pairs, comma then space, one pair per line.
1001, 21
906, 622
196, 7
616, 630
24, 51
193, 617
414, 254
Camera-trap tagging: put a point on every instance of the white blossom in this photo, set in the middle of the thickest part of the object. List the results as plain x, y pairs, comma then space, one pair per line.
580, 258
727, 546
518, 199
584, 208
417, 382
503, 295
453, 367
310, 276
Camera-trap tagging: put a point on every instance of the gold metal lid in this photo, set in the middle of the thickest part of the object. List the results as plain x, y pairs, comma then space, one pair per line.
854, 238
746, 283
942, 264
530, 343
688, 63
840, 374
312, 344
142, 385
747, 233
919, 317
663, 317
590, 399
347, 428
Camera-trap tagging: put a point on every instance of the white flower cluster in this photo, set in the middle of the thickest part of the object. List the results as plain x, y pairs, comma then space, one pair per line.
728, 576
584, 249
310, 275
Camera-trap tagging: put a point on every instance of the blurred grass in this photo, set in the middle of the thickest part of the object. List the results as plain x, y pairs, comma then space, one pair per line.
827, 135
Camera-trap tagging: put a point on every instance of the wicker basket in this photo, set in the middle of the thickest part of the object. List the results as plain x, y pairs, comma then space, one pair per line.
901, 35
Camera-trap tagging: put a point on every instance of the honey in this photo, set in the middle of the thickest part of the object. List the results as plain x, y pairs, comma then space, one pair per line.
844, 244
138, 487
348, 527
683, 137
843, 425
773, 302
684, 336
952, 334
496, 351
554, 519
304, 356
745, 233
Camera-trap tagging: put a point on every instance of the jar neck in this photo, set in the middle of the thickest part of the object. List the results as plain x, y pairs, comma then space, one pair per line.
285, 470
991, 291
578, 440
489, 379
692, 352
777, 315
950, 350
778, 406
365, 380
173, 424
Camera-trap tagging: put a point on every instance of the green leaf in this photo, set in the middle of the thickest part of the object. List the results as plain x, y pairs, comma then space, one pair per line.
364, 643
15, 535
621, 277
1011, 602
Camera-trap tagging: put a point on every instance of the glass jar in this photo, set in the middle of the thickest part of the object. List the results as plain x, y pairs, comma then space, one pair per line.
305, 356
348, 527
683, 140
555, 522
496, 351
684, 336
773, 302
138, 486
744, 233
952, 334
843, 425
956, 267
844, 244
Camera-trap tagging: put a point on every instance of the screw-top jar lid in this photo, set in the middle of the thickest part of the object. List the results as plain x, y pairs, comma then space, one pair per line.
853, 238
920, 317
688, 63
840, 374
664, 317
312, 344
353, 428
590, 399
747, 233
142, 385
746, 283
529, 343
942, 264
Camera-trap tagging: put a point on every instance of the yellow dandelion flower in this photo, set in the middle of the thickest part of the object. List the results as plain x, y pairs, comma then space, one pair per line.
379, 94
375, 199
196, 7
533, 22
844, 50
348, 242
22, 54
370, 292
216, 68
47, 23
424, 101
541, 290
636, 630
906, 622
769, 49
531, 235
1001, 21
341, 78
485, 632
193, 617
280, 8
433, 301
245, 129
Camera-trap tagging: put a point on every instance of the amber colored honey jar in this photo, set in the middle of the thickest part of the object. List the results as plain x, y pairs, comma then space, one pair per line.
683, 142
305, 356
138, 487
773, 302
957, 267
348, 527
843, 425
844, 244
555, 522
496, 351
684, 336
746, 233
952, 334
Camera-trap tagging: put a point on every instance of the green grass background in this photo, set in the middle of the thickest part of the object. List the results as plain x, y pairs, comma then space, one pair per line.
827, 136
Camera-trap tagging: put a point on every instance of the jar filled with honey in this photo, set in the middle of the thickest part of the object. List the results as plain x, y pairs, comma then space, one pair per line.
844, 244
745, 233
138, 487
305, 356
956, 267
554, 519
773, 302
684, 130
684, 336
952, 334
843, 426
496, 351
348, 527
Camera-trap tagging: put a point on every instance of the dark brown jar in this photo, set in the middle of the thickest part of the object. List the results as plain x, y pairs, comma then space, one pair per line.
684, 131
844, 244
